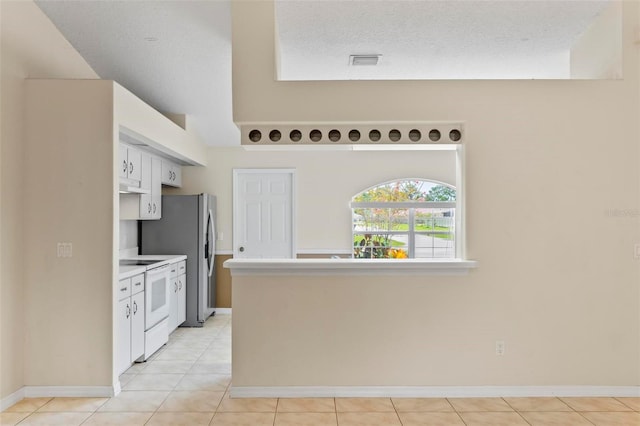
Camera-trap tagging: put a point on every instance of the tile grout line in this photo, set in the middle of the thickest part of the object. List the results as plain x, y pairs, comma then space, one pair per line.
622, 402
396, 411
456, 411
275, 413
575, 411
516, 411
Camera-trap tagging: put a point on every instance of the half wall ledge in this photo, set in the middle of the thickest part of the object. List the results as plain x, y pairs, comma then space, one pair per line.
240, 267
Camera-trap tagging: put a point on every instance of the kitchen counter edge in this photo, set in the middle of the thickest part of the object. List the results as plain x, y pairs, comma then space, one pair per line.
129, 271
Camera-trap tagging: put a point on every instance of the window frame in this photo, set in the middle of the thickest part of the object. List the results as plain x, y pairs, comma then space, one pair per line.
410, 206
458, 204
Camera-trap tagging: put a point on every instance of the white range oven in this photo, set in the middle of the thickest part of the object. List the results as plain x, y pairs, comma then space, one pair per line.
156, 311
158, 281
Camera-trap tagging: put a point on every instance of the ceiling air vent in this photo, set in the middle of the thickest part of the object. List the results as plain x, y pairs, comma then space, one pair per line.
352, 133
364, 59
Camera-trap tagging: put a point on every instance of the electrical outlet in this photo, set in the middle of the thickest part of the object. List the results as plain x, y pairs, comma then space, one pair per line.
64, 249
499, 347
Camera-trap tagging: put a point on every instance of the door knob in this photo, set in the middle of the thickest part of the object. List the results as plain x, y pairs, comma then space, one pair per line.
241, 249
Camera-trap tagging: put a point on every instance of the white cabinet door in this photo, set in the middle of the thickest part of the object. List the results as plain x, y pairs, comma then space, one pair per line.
156, 188
171, 174
123, 165
173, 304
145, 173
182, 298
151, 204
177, 176
135, 162
123, 352
130, 165
137, 326
167, 173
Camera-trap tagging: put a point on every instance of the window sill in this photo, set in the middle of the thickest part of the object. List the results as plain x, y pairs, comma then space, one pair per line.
349, 266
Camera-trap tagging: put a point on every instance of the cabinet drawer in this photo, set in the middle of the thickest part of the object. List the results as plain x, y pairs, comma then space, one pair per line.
182, 267
137, 284
124, 289
174, 270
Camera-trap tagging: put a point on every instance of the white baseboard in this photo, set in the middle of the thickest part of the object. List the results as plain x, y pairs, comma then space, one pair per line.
116, 388
223, 311
12, 399
57, 391
430, 391
69, 391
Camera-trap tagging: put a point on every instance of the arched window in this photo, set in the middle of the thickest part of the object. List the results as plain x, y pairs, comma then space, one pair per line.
408, 218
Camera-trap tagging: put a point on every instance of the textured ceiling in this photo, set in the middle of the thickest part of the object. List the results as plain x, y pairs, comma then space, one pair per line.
176, 55
186, 70
429, 39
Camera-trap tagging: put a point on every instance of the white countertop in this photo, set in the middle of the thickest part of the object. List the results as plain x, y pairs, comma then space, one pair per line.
127, 271
349, 266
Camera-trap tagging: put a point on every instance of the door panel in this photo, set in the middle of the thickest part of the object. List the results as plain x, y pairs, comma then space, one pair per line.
137, 326
263, 213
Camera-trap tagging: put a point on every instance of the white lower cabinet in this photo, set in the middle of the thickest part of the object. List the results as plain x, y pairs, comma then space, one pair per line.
130, 322
182, 298
124, 335
137, 326
182, 291
178, 295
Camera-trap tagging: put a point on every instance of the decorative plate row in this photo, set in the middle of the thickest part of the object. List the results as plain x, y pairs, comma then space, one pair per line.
351, 133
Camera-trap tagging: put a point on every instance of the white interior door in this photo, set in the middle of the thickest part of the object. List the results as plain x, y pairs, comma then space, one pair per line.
263, 213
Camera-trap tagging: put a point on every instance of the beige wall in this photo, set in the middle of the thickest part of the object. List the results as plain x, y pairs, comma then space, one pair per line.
69, 196
553, 191
326, 181
31, 47
427, 331
598, 52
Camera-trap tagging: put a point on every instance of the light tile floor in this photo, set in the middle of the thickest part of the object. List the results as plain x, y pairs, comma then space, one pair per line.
186, 383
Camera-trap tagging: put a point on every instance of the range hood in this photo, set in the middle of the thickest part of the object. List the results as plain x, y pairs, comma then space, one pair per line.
129, 189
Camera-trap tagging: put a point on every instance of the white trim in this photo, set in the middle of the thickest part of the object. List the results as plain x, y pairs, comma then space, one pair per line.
223, 311
349, 266
225, 252
69, 391
59, 391
460, 228
430, 391
325, 251
12, 399
403, 204
116, 388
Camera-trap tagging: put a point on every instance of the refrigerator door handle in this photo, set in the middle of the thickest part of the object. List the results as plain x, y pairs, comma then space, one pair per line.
209, 246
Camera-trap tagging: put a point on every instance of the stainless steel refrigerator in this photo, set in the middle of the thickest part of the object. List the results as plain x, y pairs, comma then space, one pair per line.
187, 227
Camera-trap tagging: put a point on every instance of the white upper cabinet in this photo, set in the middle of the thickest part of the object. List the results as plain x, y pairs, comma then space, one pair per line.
145, 180
151, 203
123, 168
171, 174
130, 162
156, 188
